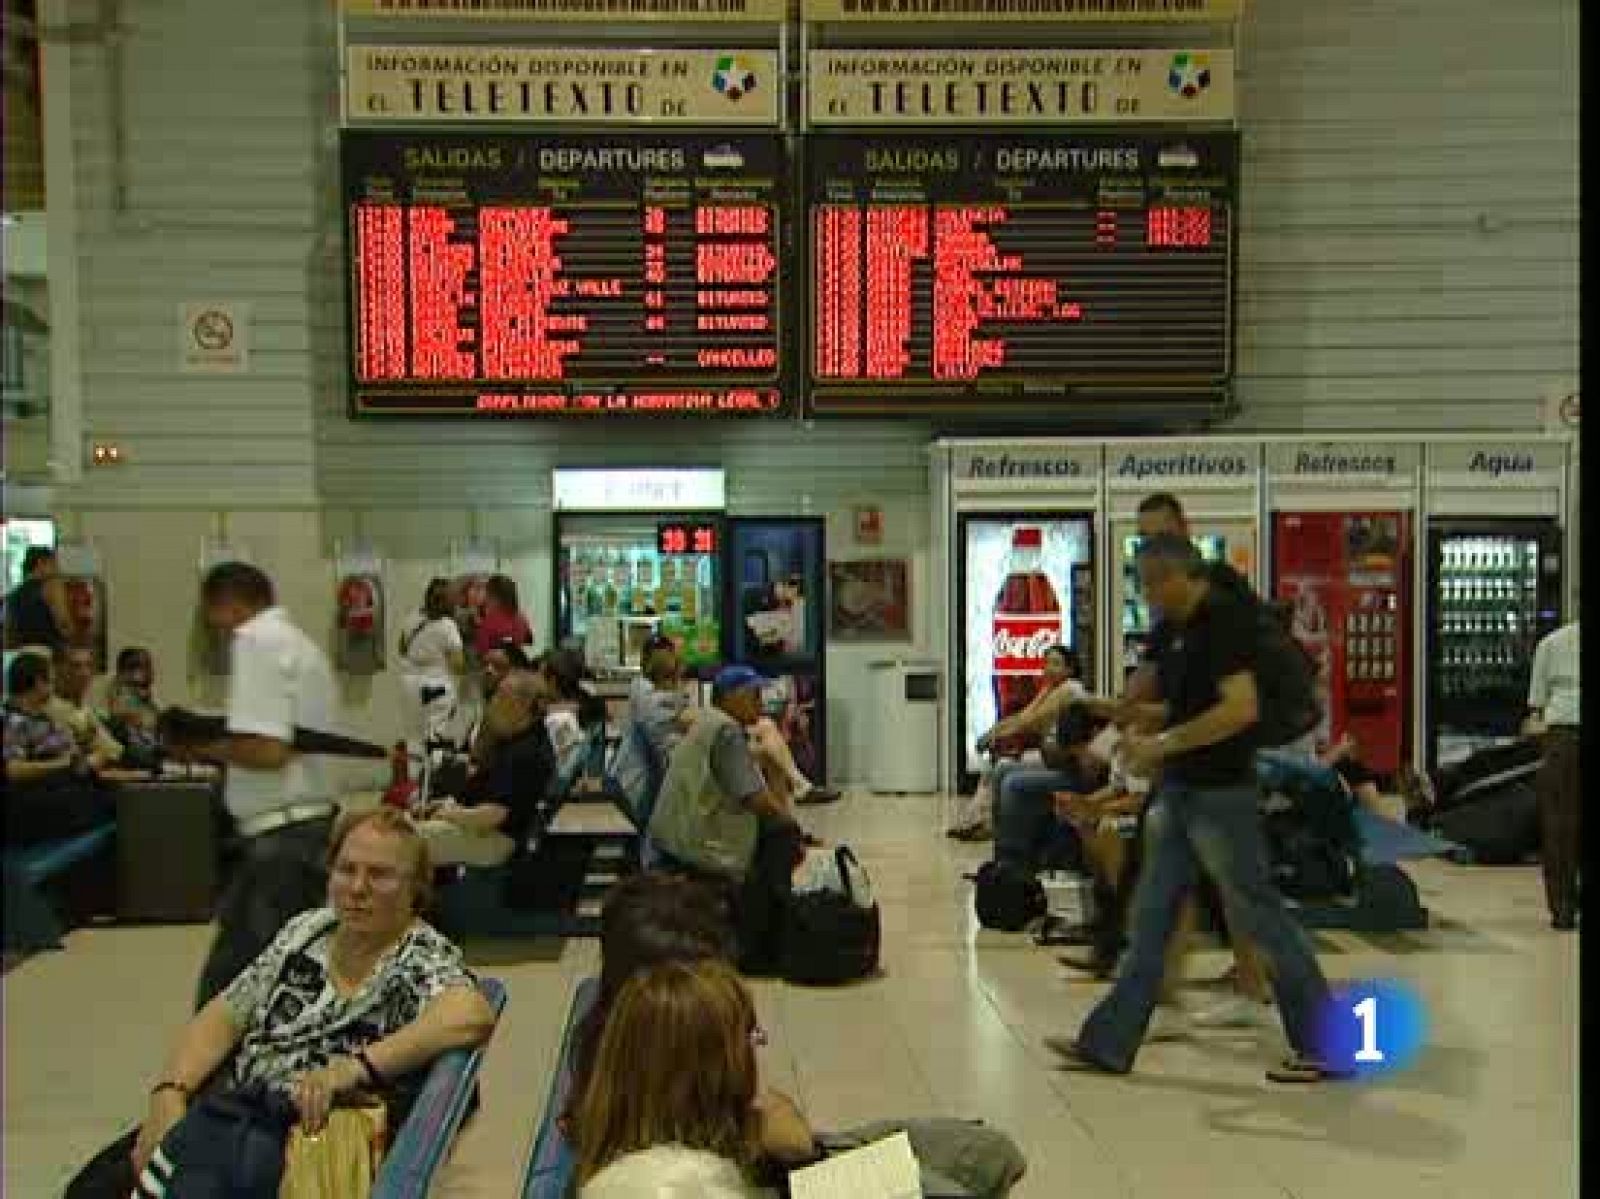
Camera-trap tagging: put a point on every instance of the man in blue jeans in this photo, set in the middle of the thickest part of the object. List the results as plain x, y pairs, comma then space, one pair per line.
1203, 817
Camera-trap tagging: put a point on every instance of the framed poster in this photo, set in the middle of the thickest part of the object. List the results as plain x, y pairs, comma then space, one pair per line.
869, 600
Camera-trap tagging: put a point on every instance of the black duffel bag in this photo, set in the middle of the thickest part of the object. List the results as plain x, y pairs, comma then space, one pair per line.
1007, 897
832, 936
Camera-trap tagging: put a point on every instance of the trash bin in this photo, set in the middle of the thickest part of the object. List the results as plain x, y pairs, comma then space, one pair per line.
904, 728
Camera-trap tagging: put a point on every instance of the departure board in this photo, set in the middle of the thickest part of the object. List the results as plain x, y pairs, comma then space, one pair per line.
537, 275
1017, 276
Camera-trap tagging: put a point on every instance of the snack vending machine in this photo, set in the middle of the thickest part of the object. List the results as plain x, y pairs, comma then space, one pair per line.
776, 571
1347, 576
1494, 591
1233, 542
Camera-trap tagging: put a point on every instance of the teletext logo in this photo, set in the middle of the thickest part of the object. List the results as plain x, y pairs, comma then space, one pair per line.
1495, 465
1007, 467
1149, 466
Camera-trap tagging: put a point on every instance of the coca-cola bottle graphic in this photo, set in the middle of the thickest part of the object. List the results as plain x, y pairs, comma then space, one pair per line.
1027, 622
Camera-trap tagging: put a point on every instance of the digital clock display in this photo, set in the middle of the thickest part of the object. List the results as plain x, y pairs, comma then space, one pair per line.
992, 275
563, 276
679, 539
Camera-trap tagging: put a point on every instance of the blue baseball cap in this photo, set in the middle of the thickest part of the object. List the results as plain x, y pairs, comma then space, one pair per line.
735, 678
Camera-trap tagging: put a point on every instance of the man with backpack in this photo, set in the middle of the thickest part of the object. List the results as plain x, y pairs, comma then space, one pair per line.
1204, 813
1290, 713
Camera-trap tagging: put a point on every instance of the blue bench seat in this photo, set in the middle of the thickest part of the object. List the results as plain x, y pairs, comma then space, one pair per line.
31, 923
552, 1165
424, 1141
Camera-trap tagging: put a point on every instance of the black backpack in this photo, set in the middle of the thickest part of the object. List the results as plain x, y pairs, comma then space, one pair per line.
828, 937
1286, 677
1007, 897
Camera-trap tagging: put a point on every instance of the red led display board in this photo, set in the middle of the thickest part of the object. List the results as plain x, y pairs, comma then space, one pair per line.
1013, 276
541, 276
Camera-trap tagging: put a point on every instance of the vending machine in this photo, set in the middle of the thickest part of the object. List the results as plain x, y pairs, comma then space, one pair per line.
639, 552
1347, 576
775, 567
1494, 583
1025, 582
1233, 542
1494, 591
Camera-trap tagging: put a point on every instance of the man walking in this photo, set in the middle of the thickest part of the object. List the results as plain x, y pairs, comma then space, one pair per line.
1553, 698
1204, 816
281, 801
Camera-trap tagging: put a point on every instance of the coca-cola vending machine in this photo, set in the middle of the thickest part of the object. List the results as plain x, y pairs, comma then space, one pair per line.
1348, 577
1025, 583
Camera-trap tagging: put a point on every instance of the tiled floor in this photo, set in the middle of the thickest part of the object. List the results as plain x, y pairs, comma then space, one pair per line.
955, 1028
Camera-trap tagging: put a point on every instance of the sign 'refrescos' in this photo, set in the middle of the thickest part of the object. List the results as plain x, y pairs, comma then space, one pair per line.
561, 86
1017, 87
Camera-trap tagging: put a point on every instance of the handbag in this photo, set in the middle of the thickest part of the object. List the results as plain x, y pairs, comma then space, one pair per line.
832, 934
228, 1146
342, 1160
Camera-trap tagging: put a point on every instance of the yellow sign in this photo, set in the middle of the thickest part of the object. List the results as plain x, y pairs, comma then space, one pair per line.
1017, 87
561, 85
556, 11
1039, 12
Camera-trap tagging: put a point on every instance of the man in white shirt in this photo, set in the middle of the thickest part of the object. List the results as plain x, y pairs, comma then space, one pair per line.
1553, 700
281, 801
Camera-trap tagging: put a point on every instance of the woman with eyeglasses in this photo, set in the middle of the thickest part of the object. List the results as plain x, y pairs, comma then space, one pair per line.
673, 1095
432, 661
356, 997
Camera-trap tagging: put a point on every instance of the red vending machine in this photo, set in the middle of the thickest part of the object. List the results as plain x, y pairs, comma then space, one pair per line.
1348, 575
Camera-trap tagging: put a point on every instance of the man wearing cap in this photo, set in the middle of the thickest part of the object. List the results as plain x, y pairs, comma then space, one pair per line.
716, 815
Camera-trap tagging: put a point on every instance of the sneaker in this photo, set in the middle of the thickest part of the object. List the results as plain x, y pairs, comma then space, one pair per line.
1565, 924
1168, 1023
1239, 1012
820, 795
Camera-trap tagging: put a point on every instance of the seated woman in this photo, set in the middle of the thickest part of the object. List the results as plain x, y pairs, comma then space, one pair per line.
131, 709
1111, 823
657, 716
655, 919
51, 788
1015, 735
359, 996
432, 661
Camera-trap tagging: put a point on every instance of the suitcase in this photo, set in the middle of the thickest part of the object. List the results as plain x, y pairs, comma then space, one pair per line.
167, 852
1485, 771
1498, 825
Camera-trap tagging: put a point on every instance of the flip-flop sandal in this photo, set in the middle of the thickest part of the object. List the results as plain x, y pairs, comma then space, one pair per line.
1302, 1071
1072, 1057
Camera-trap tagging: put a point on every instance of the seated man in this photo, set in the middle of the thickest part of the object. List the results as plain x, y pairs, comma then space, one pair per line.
51, 791
69, 710
1025, 824
490, 821
655, 918
359, 996
716, 815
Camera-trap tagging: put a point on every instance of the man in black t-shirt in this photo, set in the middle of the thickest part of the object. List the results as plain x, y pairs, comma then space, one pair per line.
1203, 816
489, 824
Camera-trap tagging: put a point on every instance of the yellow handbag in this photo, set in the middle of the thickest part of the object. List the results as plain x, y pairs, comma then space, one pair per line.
341, 1161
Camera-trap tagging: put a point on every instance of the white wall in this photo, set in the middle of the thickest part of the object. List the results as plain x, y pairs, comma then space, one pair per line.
1409, 260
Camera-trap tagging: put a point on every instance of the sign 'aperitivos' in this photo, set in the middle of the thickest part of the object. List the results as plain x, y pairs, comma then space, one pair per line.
563, 276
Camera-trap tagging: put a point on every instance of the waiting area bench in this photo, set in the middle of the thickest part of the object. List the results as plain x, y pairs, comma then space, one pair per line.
32, 923
552, 1164
424, 1141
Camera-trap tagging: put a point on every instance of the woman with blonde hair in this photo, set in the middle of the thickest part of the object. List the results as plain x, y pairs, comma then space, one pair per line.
671, 1104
